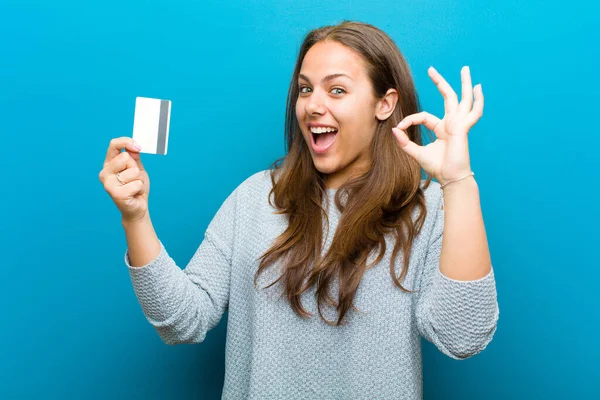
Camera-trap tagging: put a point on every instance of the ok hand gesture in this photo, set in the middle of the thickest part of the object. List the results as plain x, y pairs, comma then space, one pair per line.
447, 158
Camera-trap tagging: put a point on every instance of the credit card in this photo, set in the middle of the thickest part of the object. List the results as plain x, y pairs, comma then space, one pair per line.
151, 124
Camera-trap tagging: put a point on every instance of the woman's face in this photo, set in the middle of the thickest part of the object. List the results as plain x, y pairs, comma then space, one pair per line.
336, 94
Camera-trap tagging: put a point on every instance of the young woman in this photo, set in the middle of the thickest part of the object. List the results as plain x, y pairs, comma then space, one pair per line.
333, 263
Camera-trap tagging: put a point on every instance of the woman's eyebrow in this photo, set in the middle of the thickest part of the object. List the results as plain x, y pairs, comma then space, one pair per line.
325, 79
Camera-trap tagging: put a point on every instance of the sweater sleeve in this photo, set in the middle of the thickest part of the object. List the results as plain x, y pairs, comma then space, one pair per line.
183, 305
458, 317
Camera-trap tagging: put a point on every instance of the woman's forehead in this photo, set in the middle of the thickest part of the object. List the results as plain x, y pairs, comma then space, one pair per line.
329, 58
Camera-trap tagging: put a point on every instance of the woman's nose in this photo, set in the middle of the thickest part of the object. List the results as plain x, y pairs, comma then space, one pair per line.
315, 104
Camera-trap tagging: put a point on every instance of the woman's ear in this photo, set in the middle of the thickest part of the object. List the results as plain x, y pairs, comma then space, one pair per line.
386, 106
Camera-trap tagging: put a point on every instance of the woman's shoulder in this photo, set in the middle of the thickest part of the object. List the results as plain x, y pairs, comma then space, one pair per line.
253, 189
257, 182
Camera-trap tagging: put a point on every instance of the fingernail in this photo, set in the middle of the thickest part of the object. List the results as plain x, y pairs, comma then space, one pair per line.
137, 146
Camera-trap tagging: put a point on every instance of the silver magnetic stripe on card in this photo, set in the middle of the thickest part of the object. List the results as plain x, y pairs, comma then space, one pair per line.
162, 127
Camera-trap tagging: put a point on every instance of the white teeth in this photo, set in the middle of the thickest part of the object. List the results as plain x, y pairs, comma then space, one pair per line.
319, 130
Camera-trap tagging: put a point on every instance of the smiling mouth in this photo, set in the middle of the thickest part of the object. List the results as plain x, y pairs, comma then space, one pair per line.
321, 142
321, 131
323, 137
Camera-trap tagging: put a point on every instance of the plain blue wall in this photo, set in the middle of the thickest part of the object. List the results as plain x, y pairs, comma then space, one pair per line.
69, 75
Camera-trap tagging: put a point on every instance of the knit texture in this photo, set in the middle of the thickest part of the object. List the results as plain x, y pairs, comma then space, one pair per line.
271, 353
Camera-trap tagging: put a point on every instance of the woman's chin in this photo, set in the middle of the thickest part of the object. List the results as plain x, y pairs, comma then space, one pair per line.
325, 166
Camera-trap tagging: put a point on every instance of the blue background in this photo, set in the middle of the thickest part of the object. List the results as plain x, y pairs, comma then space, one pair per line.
69, 75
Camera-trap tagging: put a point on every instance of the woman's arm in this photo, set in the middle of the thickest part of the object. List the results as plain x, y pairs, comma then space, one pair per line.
142, 242
183, 305
465, 254
459, 316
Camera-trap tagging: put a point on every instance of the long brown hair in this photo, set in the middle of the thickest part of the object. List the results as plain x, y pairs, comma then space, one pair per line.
378, 202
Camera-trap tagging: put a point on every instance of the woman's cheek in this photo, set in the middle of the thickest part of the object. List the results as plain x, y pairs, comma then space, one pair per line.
299, 115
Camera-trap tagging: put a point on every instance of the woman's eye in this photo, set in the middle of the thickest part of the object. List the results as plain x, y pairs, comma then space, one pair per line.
301, 89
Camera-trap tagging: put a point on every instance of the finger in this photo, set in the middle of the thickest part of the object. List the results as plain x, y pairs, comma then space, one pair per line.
128, 175
450, 98
130, 189
477, 111
410, 147
118, 144
467, 90
137, 157
430, 121
121, 162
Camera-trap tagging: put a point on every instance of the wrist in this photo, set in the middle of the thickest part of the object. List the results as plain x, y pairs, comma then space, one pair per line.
459, 177
126, 222
469, 183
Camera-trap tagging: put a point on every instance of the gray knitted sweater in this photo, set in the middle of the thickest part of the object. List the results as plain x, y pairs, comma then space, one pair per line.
271, 353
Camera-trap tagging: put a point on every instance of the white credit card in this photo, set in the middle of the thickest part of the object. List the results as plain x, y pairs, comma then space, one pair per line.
151, 124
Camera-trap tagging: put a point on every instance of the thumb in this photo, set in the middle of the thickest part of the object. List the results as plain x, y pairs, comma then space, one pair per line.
138, 159
409, 147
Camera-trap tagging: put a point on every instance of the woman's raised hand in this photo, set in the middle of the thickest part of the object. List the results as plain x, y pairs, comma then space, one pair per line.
125, 179
447, 158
